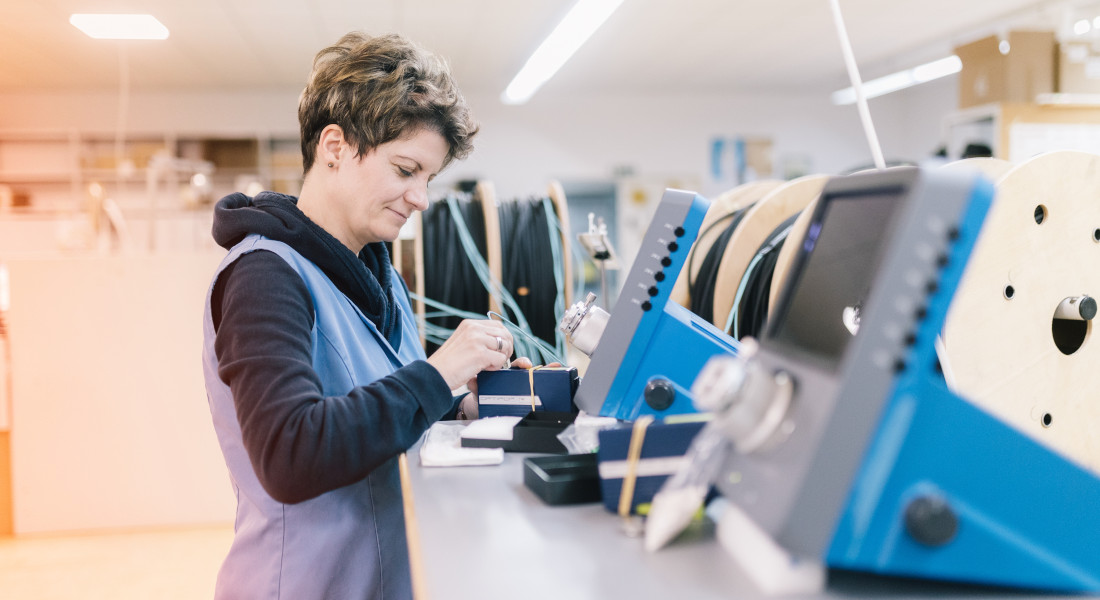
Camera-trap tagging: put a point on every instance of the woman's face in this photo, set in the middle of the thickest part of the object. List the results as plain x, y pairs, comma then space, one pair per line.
375, 195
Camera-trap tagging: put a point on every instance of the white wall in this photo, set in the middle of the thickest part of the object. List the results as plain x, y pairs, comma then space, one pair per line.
911, 121
592, 138
572, 138
110, 424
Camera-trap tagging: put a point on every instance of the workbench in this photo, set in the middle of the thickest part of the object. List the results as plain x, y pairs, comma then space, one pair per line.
485, 536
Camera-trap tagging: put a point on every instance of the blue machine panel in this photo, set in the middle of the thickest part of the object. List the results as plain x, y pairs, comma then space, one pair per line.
650, 343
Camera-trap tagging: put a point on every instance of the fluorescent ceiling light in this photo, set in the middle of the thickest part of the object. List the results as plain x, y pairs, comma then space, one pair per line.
583, 20
902, 79
120, 27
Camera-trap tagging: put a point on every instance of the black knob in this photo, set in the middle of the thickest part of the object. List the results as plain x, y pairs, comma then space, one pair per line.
659, 275
646, 305
653, 291
679, 231
659, 394
673, 246
1087, 308
930, 521
666, 261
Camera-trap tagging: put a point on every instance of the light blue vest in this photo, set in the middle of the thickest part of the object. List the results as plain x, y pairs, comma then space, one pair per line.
347, 543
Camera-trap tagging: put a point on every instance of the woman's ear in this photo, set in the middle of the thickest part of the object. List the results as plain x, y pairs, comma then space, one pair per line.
332, 145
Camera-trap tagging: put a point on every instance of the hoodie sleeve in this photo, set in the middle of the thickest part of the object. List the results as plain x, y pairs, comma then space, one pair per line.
302, 443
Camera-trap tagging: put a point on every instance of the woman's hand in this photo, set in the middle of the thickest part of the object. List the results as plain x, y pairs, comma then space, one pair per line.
475, 346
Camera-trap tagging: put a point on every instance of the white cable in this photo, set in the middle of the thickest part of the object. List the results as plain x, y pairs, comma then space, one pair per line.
857, 85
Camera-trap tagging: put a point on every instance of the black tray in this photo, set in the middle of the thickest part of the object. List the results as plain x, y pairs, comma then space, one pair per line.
569, 479
536, 432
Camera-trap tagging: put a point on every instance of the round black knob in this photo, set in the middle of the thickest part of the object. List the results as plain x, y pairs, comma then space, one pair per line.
1088, 308
931, 521
659, 394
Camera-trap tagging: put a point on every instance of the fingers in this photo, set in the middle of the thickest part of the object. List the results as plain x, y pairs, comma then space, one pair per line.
475, 345
525, 363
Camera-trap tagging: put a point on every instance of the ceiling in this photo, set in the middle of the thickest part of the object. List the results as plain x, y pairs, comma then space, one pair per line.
647, 46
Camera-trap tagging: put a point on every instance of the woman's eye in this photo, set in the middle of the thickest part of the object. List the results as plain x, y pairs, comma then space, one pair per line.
404, 172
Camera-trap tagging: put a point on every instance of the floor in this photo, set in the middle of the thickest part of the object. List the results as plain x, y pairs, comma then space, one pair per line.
162, 564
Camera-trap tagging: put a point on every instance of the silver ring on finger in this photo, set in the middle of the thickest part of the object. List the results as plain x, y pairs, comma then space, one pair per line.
500, 344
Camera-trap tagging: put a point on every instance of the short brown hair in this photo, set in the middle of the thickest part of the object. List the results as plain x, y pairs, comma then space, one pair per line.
378, 89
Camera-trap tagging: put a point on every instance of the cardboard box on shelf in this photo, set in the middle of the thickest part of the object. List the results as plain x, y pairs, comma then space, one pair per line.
1078, 69
101, 155
1027, 70
231, 153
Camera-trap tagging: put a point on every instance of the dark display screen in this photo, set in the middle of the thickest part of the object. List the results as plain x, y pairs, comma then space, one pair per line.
833, 274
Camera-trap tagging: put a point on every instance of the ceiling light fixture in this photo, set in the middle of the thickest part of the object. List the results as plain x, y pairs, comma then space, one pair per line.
120, 26
902, 79
583, 20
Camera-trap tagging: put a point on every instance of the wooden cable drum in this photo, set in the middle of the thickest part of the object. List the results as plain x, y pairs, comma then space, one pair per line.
735, 199
1005, 349
561, 208
486, 193
758, 223
445, 274
418, 284
789, 251
992, 168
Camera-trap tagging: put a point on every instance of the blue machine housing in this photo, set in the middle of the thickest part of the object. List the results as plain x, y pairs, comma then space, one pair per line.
650, 343
1024, 515
887, 470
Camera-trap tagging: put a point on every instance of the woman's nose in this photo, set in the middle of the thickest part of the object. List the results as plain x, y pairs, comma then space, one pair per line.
417, 196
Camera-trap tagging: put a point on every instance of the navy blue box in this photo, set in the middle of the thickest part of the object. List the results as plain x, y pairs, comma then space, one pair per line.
508, 392
662, 454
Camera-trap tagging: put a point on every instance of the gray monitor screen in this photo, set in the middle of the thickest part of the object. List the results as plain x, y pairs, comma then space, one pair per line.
831, 277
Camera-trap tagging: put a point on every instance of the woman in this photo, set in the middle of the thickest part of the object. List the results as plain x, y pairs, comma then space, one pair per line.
314, 371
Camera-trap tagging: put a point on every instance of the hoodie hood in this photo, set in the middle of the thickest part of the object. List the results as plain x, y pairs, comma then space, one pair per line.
365, 279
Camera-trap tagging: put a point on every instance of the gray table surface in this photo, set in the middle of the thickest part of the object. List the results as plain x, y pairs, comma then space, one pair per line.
484, 536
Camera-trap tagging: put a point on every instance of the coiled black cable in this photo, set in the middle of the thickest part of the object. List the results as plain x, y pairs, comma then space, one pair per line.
701, 288
752, 310
527, 264
449, 274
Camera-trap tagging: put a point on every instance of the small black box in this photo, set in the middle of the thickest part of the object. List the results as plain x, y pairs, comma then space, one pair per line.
569, 479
